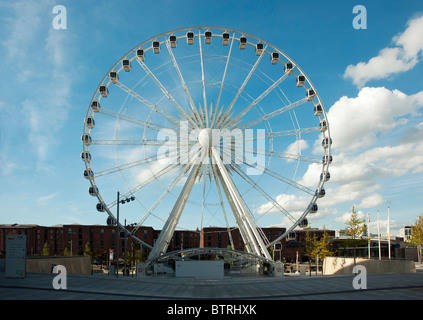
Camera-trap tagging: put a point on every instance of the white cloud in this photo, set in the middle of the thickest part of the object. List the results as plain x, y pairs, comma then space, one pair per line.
44, 199
347, 216
296, 147
403, 57
371, 201
355, 123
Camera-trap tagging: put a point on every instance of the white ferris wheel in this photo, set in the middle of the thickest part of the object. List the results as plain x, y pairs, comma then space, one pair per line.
207, 126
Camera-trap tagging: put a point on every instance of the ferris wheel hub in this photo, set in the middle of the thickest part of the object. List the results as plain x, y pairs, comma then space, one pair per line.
208, 137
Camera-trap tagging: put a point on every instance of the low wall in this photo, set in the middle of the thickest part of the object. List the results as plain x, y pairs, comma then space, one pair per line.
205, 270
73, 264
340, 265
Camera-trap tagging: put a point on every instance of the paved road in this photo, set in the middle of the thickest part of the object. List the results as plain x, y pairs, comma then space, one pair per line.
37, 286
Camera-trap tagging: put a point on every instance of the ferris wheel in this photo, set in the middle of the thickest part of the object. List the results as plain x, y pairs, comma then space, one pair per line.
207, 126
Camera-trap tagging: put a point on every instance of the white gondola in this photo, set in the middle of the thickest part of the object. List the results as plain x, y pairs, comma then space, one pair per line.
172, 40
288, 67
156, 46
323, 126
89, 122
304, 223
242, 42
86, 139
312, 208
325, 176
225, 38
190, 37
114, 77
140, 55
110, 221
326, 142
208, 36
93, 191
101, 207
126, 64
259, 49
274, 57
320, 193
310, 94
95, 106
86, 156
327, 159
291, 236
104, 91
300, 80
88, 173
318, 110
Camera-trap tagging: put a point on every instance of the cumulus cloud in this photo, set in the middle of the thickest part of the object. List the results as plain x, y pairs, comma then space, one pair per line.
391, 60
355, 123
363, 158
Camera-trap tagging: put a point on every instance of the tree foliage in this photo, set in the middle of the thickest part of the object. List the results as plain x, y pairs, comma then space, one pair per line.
416, 237
46, 249
355, 226
317, 246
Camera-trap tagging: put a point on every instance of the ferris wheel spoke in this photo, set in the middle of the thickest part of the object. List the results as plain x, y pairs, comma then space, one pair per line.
258, 99
182, 80
181, 111
216, 179
277, 176
285, 180
129, 142
160, 199
202, 75
254, 67
154, 177
124, 117
282, 155
274, 203
284, 133
224, 73
169, 227
240, 209
149, 104
272, 114
133, 164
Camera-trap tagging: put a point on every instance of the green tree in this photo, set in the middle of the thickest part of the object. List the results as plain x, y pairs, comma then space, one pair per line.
67, 252
46, 249
87, 250
416, 237
355, 228
317, 246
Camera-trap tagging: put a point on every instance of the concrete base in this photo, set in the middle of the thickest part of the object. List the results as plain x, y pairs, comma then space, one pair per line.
340, 265
205, 270
73, 264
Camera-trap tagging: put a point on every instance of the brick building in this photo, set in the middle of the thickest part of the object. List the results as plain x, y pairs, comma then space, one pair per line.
102, 239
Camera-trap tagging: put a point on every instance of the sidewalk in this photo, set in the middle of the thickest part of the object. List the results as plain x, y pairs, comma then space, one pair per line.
39, 286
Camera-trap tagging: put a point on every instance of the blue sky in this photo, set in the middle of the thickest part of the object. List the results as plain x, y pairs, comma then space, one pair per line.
369, 80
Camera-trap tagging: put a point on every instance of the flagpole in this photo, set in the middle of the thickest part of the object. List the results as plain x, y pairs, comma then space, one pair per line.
389, 237
368, 233
378, 232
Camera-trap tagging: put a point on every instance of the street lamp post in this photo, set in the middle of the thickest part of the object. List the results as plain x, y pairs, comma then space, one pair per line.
123, 201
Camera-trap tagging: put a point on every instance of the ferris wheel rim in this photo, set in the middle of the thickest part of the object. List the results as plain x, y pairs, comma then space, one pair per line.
103, 81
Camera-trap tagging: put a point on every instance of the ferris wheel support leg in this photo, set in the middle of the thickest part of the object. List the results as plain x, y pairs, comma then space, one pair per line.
240, 210
168, 229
